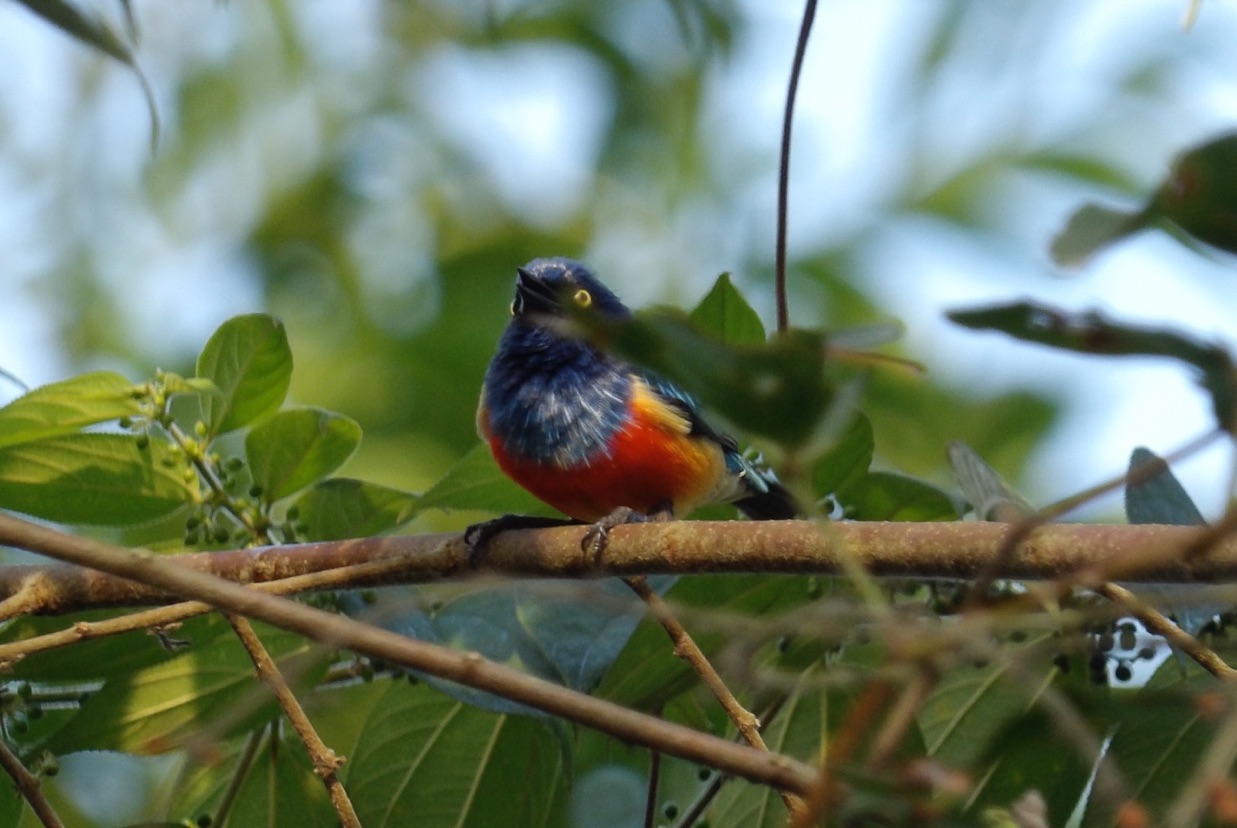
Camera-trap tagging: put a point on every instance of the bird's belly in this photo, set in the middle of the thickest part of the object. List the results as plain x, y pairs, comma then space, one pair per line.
644, 468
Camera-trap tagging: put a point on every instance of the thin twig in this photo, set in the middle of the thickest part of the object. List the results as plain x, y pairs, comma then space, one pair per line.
175, 613
1161, 625
783, 167
206, 471
686, 648
901, 719
1001, 560
859, 722
696, 808
1213, 766
1108, 785
326, 762
29, 787
25, 600
244, 763
650, 799
469, 669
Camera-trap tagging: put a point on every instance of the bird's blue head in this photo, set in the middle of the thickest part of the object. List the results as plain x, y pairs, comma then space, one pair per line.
554, 287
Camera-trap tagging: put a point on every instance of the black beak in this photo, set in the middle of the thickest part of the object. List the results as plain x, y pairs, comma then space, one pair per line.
534, 295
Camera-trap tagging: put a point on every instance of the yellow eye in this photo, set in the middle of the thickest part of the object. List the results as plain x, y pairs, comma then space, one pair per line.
582, 298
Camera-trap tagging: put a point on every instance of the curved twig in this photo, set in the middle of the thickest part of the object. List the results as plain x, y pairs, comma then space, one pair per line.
29, 787
783, 167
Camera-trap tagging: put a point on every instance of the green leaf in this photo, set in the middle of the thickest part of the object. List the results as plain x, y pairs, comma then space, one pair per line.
67, 406
344, 508
567, 634
336, 713
176, 384
972, 704
1092, 228
105, 658
1031, 754
725, 313
1089, 169
889, 496
87, 28
991, 498
92, 31
1200, 193
1092, 333
1159, 734
155, 709
1154, 495
778, 390
476, 482
647, 674
11, 805
800, 728
424, 759
100, 479
983, 719
280, 787
1199, 197
847, 459
298, 447
249, 361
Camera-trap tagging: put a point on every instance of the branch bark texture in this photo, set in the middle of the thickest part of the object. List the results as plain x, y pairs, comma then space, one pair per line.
470, 669
1081, 552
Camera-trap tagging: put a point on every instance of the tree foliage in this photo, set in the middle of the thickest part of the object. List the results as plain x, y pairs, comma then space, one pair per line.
381, 245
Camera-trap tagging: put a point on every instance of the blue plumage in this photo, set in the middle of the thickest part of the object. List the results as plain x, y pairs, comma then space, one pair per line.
554, 399
557, 402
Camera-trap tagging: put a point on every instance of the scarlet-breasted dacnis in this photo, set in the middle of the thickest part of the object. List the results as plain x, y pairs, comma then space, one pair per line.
594, 436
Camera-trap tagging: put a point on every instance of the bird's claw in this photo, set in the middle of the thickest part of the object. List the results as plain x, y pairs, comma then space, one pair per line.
597, 538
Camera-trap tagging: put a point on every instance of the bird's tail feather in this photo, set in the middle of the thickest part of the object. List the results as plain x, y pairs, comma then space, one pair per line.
774, 504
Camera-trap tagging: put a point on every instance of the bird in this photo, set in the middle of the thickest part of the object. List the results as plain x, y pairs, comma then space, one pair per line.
599, 439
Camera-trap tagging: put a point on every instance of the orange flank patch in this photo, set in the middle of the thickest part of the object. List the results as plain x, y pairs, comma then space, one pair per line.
652, 460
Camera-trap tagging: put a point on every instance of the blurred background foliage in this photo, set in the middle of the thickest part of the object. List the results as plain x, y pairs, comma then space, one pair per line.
372, 172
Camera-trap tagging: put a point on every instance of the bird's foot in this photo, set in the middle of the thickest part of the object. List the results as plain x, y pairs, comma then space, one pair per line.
478, 536
597, 538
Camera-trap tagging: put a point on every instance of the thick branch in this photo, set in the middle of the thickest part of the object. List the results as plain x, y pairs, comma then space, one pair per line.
466, 668
1090, 553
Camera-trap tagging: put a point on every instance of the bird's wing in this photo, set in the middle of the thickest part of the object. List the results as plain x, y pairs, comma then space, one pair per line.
675, 409
685, 409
